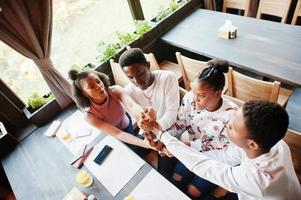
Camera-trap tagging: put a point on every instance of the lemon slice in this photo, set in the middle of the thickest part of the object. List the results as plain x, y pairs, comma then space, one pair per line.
129, 198
66, 136
84, 178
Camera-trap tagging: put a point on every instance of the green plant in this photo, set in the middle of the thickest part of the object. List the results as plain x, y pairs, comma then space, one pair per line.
35, 101
142, 27
88, 66
125, 38
163, 14
107, 50
49, 96
110, 50
79, 68
173, 6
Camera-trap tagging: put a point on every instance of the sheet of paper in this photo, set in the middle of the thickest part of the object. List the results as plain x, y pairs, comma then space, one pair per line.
76, 124
155, 186
118, 167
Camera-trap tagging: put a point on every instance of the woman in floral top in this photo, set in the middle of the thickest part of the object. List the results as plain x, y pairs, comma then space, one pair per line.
204, 114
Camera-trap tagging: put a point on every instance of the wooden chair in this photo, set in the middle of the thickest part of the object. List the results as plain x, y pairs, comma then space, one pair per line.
182, 93
297, 12
150, 57
277, 8
190, 68
293, 139
246, 88
237, 4
164, 65
119, 76
238, 102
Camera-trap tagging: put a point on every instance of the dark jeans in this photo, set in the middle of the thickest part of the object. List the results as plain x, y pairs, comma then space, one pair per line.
165, 164
188, 177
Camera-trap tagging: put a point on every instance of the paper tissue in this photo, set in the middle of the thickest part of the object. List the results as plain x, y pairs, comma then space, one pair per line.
227, 31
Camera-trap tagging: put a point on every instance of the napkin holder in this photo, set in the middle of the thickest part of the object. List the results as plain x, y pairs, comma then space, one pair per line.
227, 31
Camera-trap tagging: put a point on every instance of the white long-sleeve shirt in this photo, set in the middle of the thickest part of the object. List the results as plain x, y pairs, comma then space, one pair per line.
163, 96
270, 176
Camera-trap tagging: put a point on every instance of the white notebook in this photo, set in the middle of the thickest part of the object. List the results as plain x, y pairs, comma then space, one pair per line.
117, 168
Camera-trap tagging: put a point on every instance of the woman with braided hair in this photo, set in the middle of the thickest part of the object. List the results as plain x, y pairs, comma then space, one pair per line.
104, 109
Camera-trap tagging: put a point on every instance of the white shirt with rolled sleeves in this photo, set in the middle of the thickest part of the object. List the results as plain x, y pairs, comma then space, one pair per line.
163, 96
270, 176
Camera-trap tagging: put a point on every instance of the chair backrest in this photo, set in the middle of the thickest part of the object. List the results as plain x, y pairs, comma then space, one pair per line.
297, 12
237, 4
189, 68
293, 138
246, 88
277, 8
151, 59
182, 93
118, 74
237, 101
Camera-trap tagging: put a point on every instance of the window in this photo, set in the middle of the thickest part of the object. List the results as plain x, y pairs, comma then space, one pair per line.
20, 74
153, 7
79, 25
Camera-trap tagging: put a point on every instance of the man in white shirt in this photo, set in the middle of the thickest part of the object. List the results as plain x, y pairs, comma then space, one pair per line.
157, 89
266, 170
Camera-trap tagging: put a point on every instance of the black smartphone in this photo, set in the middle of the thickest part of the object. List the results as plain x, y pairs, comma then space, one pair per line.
103, 154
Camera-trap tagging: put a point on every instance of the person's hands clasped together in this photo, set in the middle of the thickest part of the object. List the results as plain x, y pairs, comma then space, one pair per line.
150, 126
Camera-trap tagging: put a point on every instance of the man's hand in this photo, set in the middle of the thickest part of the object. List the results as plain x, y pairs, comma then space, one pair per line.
149, 135
149, 114
154, 145
164, 152
148, 120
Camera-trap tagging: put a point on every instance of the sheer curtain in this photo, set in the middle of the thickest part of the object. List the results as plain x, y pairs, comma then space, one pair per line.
26, 26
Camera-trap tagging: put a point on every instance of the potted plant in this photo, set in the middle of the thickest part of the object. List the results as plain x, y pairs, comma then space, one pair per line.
163, 13
41, 109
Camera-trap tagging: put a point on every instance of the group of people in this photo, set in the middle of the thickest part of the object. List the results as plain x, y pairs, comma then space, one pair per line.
205, 141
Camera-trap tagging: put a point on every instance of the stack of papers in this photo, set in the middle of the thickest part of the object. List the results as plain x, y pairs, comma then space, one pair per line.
80, 131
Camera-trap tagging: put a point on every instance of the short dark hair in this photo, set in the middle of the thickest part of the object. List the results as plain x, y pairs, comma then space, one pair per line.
213, 75
132, 56
267, 122
76, 88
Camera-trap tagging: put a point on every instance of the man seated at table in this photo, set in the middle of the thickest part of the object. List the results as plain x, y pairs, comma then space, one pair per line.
266, 170
157, 89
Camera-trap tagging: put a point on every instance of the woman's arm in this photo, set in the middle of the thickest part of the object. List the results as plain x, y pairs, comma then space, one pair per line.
130, 105
115, 132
